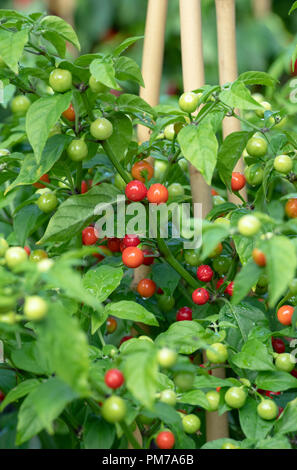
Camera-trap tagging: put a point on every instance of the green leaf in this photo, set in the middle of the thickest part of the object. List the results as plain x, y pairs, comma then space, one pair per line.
220, 209
7, 379
125, 44
31, 359
165, 277
281, 266
229, 153
12, 14
251, 424
41, 117
61, 276
41, 407
24, 222
293, 8
238, 96
195, 398
129, 310
168, 415
199, 146
97, 433
140, 367
74, 213
59, 27
12, 46
13, 139
121, 136
254, 356
102, 281
210, 381
218, 443
288, 419
132, 104
57, 41
275, 442
66, 346
257, 78
277, 381
184, 336
127, 69
244, 316
212, 235
31, 171
246, 278
20, 391
104, 72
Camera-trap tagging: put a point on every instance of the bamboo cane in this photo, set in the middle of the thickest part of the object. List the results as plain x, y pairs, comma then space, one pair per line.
261, 8
62, 8
226, 29
152, 64
152, 56
216, 426
193, 77
1, 352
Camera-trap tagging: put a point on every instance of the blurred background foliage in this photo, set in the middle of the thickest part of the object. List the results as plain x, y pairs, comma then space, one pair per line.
265, 41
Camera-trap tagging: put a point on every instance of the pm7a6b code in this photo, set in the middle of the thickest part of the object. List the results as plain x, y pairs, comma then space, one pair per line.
167, 459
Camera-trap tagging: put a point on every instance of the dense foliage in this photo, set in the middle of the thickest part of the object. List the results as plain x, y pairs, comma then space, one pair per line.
90, 361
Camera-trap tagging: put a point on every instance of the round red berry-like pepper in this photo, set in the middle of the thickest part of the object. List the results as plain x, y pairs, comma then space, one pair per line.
114, 378
278, 345
132, 257
204, 273
114, 244
157, 194
237, 181
131, 240
184, 313
200, 296
148, 258
89, 236
135, 191
165, 440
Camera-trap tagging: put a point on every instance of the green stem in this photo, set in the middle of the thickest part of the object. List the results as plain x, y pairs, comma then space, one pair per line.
247, 123
79, 176
206, 112
175, 264
109, 152
94, 406
101, 337
87, 106
283, 300
5, 221
127, 431
170, 163
70, 179
185, 294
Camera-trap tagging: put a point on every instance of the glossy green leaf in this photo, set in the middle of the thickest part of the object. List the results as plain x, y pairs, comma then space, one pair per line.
76, 212
128, 310
253, 356
12, 46
199, 146
251, 424
102, 281
41, 118
59, 27
41, 407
